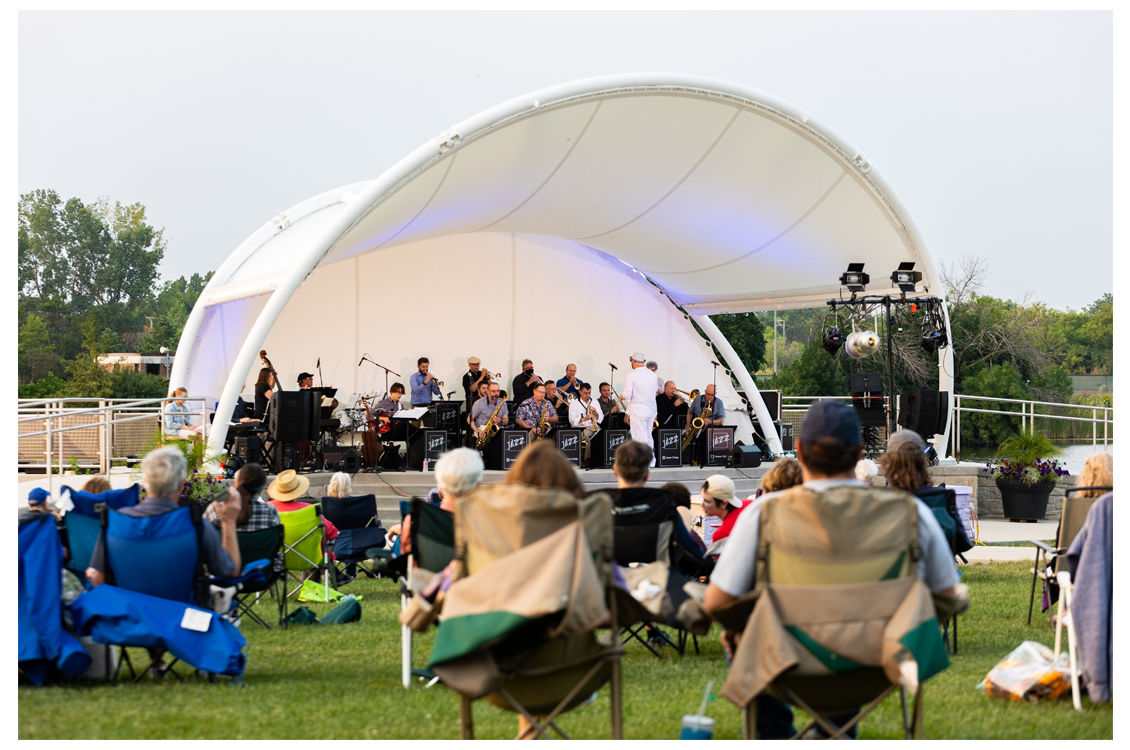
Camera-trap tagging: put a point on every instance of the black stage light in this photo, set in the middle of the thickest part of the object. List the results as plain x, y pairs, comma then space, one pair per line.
854, 278
832, 339
906, 277
933, 340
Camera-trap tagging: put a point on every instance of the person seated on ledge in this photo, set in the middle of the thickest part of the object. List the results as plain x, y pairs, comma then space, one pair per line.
457, 473
163, 472
830, 446
177, 422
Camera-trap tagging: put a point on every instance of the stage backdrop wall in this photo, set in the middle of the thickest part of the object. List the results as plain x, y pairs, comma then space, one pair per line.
500, 297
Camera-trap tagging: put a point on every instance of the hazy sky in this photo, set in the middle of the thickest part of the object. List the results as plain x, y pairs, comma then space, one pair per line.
995, 129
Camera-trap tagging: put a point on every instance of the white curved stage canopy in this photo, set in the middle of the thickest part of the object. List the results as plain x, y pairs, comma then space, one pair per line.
576, 224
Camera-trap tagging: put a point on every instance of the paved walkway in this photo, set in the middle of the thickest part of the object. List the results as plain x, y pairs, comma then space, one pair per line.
996, 530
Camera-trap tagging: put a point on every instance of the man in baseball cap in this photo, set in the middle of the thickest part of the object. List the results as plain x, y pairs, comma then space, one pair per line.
830, 445
305, 380
640, 388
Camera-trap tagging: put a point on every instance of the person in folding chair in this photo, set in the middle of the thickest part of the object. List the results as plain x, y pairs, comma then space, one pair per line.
163, 471
359, 528
809, 559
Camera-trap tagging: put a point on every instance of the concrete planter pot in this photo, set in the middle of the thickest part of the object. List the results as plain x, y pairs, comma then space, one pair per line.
1028, 502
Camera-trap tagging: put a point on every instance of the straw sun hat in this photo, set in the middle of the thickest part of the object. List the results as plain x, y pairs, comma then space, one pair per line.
288, 486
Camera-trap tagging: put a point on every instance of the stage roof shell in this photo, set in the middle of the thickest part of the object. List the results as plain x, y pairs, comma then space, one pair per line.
727, 198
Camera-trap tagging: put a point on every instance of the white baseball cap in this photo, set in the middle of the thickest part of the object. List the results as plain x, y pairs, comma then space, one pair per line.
638, 357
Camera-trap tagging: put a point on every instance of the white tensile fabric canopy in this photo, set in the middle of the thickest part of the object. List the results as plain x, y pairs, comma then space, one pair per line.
577, 224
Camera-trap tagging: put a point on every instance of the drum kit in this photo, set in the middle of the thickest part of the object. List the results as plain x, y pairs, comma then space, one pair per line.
353, 426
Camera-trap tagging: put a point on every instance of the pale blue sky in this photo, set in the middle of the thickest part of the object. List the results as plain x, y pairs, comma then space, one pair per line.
995, 129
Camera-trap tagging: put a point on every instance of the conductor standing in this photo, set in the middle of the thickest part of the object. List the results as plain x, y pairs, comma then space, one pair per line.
639, 391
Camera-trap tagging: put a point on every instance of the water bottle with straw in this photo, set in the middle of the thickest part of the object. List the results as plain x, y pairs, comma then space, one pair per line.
699, 726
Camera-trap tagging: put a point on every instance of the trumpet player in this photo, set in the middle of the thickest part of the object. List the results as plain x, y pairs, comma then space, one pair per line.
424, 385
585, 415
530, 411
718, 409
524, 382
607, 404
484, 407
569, 384
557, 401
474, 376
669, 405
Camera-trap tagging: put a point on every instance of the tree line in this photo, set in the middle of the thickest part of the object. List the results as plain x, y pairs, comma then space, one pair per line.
88, 284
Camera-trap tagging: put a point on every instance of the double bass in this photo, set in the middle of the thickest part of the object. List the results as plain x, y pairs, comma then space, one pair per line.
371, 448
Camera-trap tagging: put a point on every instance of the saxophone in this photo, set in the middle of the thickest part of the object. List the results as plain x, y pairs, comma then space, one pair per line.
490, 429
696, 425
543, 426
595, 428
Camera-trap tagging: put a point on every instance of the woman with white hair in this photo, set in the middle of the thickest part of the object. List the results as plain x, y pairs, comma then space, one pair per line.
457, 473
340, 485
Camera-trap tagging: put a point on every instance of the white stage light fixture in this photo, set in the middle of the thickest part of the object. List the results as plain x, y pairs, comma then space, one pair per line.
861, 344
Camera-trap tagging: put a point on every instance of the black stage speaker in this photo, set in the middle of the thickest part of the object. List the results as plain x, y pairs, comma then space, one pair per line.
430, 443
447, 415
614, 439
867, 382
924, 411
569, 443
342, 458
718, 444
772, 401
292, 417
249, 449
747, 456
514, 442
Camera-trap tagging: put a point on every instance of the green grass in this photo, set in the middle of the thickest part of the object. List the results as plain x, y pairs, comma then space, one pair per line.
343, 682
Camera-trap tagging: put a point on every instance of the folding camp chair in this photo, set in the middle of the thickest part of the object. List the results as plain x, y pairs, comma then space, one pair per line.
943, 503
82, 523
263, 545
432, 541
517, 546
838, 618
645, 532
304, 547
1070, 522
159, 556
359, 530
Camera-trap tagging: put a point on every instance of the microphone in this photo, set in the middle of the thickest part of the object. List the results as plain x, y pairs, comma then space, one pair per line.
614, 367
715, 363
361, 362
319, 362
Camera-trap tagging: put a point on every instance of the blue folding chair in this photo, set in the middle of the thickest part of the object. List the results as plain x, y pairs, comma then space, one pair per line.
359, 530
159, 556
82, 523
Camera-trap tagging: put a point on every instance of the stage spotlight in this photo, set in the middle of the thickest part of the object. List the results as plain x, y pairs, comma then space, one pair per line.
906, 277
861, 344
832, 339
854, 278
933, 340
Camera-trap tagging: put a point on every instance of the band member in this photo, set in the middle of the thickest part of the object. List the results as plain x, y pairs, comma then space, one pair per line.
607, 404
264, 386
585, 414
424, 385
639, 391
472, 379
476, 397
529, 412
390, 404
569, 383
718, 413
524, 382
484, 407
669, 406
305, 380
557, 401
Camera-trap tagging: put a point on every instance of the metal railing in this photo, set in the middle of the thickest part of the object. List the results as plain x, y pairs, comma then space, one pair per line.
1099, 415
90, 431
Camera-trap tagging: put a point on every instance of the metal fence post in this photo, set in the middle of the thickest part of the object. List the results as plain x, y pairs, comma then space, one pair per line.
1095, 430
47, 421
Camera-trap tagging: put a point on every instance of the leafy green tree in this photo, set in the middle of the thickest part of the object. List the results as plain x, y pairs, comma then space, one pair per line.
48, 386
89, 377
37, 355
1000, 381
130, 383
814, 373
746, 333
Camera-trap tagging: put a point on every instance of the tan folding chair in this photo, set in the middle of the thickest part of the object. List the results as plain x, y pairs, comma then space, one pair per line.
1070, 522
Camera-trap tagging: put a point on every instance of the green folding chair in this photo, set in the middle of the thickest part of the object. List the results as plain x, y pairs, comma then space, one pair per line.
433, 547
304, 546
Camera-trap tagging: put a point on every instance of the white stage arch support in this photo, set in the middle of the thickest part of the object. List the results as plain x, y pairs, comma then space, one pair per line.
576, 224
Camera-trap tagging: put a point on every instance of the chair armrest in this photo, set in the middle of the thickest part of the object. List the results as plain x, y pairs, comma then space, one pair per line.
1046, 548
253, 571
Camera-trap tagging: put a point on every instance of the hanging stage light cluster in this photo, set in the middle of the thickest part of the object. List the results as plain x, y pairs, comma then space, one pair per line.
933, 329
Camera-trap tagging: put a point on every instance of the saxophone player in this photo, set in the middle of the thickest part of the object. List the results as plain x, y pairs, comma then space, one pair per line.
535, 409
483, 409
718, 410
585, 414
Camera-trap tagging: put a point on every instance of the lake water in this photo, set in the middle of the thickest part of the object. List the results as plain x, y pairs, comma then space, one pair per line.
1074, 454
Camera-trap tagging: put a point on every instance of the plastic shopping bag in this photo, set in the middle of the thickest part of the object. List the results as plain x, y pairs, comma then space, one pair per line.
1029, 673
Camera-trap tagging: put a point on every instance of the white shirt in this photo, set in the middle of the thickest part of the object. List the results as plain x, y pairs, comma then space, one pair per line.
579, 410
736, 566
640, 389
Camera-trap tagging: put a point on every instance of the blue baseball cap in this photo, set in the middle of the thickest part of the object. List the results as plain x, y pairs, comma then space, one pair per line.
831, 418
38, 496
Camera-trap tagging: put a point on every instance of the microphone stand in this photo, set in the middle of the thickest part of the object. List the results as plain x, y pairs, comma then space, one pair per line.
387, 371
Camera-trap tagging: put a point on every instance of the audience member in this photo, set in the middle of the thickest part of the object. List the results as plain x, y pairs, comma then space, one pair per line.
255, 514
784, 473
285, 491
683, 505
866, 471
36, 505
341, 485
904, 462
96, 485
718, 499
543, 465
830, 446
163, 471
177, 421
457, 473
1098, 471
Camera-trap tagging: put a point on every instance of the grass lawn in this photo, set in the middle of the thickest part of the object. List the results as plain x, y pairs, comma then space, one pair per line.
343, 681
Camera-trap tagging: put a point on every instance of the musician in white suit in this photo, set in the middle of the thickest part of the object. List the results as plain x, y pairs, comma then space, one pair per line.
639, 392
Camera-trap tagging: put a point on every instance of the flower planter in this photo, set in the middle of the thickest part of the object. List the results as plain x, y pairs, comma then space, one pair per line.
1025, 501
